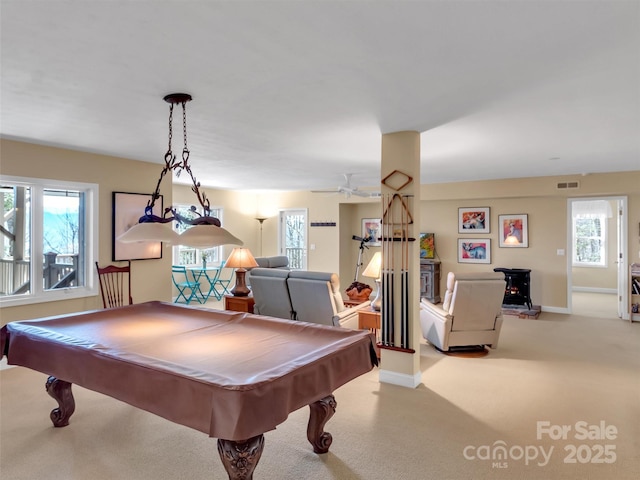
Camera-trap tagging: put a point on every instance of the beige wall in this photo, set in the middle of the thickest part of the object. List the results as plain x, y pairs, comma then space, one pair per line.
241, 209
151, 278
335, 250
546, 207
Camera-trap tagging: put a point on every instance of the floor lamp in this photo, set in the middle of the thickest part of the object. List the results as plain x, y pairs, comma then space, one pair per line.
261, 220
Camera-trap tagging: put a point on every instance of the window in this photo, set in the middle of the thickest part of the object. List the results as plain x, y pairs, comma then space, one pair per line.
183, 255
55, 223
293, 237
589, 233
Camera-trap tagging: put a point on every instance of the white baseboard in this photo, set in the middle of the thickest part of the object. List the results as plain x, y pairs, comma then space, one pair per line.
594, 290
555, 309
401, 379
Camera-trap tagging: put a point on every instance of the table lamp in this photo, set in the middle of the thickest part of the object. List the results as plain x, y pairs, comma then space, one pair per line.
240, 259
373, 271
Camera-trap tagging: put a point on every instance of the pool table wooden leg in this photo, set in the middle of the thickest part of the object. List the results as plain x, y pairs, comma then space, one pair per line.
240, 458
321, 412
61, 392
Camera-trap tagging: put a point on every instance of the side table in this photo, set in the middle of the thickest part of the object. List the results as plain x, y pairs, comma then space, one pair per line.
370, 320
239, 304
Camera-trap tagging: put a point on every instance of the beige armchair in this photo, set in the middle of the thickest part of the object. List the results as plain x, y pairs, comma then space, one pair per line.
471, 313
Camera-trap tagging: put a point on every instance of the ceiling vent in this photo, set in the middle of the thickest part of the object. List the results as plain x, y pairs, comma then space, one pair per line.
563, 185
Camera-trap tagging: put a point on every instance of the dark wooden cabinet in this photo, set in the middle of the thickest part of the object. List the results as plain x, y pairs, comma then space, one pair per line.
430, 280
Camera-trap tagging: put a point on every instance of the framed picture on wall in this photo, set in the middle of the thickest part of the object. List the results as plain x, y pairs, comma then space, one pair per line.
372, 227
127, 209
427, 245
474, 220
474, 250
514, 231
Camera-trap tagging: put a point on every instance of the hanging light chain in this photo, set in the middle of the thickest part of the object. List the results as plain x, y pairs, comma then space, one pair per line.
170, 129
184, 130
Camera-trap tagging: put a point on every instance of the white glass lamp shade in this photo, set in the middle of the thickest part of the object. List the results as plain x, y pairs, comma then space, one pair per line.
150, 232
207, 236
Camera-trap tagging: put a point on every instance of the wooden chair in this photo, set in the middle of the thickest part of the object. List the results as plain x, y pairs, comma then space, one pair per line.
115, 285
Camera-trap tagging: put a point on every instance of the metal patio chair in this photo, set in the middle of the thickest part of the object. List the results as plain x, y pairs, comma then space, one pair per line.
187, 289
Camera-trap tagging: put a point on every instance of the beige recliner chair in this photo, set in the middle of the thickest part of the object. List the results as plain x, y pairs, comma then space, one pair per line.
470, 315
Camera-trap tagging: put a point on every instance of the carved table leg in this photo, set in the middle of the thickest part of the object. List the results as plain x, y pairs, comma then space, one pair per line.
61, 392
240, 458
321, 412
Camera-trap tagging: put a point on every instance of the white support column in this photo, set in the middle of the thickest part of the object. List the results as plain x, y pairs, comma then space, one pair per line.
401, 154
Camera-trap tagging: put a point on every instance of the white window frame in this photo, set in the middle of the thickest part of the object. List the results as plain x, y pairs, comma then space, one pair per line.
604, 239
37, 293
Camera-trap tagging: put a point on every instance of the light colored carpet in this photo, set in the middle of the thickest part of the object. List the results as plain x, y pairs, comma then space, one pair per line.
558, 368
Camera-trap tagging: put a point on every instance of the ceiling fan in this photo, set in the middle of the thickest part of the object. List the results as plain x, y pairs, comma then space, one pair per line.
348, 189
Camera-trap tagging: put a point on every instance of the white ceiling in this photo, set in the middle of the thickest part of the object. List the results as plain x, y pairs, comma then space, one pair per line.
292, 94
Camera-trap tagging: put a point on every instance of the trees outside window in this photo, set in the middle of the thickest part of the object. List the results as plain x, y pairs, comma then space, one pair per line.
589, 233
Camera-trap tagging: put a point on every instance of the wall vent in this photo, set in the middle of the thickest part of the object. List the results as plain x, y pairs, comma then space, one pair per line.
562, 185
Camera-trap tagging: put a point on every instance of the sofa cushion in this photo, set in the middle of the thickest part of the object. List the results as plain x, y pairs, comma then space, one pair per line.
277, 261
263, 262
270, 292
334, 285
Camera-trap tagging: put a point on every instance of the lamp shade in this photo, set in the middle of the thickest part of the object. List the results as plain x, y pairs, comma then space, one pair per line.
373, 269
207, 236
241, 258
150, 232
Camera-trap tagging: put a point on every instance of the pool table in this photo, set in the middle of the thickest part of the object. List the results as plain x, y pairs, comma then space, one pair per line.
228, 374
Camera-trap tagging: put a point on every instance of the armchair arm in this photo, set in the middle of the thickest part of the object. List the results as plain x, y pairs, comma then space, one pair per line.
349, 318
436, 324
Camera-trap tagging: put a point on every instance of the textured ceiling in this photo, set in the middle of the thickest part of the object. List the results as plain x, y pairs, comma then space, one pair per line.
291, 95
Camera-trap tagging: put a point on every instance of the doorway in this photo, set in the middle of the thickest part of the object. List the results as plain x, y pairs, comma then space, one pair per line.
596, 258
293, 237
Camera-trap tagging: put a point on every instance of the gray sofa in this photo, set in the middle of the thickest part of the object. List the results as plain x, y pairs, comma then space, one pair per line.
313, 297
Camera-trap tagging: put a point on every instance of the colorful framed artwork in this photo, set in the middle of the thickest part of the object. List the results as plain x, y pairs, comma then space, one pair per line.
127, 209
474, 220
474, 250
427, 245
514, 231
372, 228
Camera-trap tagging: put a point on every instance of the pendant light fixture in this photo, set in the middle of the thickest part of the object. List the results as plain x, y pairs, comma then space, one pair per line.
204, 231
